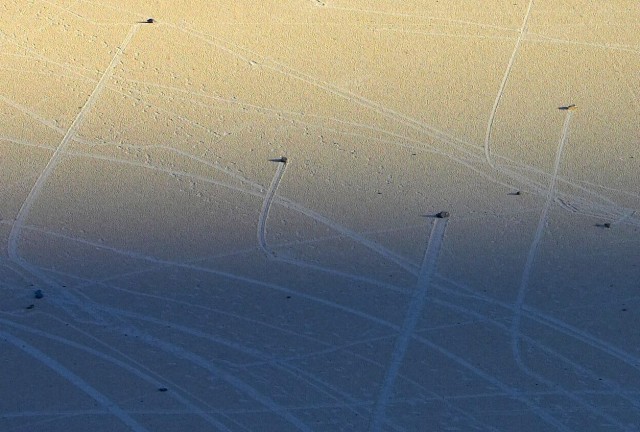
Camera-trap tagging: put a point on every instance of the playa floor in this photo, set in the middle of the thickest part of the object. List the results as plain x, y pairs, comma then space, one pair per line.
304, 215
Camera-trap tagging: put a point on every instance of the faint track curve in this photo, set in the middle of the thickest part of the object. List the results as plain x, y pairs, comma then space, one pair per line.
74, 379
503, 84
25, 208
266, 207
416, 306
157, 382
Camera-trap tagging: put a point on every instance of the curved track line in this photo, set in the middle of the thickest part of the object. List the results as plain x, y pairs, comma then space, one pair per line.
457, 143
614, 388
270, 253
614, 47
503, 84
133, 370
548, 321
74, 379
416, 307
499, 324
232, 380
505, 171
299, 263
266, 206
285, 202
509, 391
25, 208
283, 365
570, 395
270, 63
512, 392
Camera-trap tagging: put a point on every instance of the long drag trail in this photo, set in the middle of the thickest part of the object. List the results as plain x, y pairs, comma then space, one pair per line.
54, 161
416, 306
503, 84
535, 243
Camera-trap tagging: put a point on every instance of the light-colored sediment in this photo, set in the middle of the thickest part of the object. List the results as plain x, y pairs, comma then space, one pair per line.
138, 194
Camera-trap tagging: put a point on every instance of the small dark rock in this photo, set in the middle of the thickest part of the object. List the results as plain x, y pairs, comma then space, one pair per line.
38, 294
150, 21
31, 306
282, 159
163, 389
606, 225
443, 214
515, 193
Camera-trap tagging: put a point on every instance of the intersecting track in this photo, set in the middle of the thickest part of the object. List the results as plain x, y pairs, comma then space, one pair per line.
155, 381
74, 379
25, 208
378, 415
509, 391
535, 243
503, 84
470, 159
462, 152
458, 360
23, 213
265, 219
516, 335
